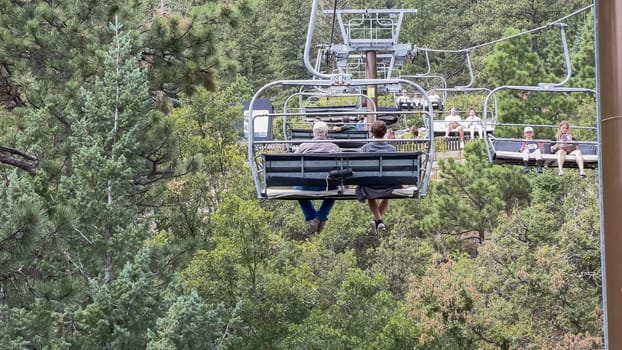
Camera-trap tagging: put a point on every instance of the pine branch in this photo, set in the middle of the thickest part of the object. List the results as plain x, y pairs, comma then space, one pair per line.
28, 162
78, 266
14, 236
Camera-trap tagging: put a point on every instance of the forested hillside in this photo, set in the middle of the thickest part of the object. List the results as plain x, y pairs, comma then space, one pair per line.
129, 219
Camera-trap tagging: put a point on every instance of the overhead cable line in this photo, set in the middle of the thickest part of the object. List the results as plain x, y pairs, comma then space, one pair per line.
557, 21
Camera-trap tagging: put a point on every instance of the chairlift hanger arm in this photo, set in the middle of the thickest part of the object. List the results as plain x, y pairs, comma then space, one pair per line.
427, 63
533, 30
472, 78
309, 39
567, 64
557, 23
539, 88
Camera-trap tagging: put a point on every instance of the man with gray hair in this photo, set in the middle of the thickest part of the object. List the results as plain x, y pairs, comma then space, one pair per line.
317, 217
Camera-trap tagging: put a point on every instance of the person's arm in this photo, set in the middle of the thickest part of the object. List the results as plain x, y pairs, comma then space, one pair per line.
573, 146
554, 147
343, 128
448, 122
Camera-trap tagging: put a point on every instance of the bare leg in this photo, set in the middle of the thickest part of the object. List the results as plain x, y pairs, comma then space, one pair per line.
373, 206
579, 157
382, 208
561, 157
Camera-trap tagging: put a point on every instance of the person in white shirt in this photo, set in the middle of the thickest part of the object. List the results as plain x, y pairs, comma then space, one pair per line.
531, 149
417, 100
404, 102
453, 124
474, 123
435, 100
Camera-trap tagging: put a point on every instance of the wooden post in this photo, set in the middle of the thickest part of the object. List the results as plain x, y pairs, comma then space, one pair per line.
372, 73
609, 80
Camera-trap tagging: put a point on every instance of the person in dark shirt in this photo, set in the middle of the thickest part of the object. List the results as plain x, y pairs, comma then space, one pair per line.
345, 126
377, 206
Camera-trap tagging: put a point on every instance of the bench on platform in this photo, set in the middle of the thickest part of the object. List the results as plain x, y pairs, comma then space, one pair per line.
389, 115
299, 136
440, 126
507, 152
342, 170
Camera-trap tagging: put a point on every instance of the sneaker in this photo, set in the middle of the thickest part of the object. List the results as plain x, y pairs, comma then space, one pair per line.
560, 173
381, 227
539, 170
314, 225
373, 227
525, 170
582, 174
321, 225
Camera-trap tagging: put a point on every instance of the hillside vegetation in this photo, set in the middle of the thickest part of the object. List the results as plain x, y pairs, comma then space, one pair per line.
129, 219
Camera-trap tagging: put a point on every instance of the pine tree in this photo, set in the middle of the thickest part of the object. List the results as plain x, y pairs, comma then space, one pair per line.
118, 144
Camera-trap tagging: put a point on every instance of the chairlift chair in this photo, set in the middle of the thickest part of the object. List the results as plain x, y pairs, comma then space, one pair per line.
276, 170
505, 150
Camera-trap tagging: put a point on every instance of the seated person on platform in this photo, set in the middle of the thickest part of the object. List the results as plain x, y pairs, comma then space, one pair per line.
453, 124
474, 123
317, 217
345, 126
417, 100
561, 149
360, 125
531, 149
412, 133
403, 102
371, 193
435, 99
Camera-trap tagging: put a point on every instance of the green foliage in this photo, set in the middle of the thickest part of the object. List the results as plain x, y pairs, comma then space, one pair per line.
122, 311
512, 62
114, 131
209, 130
480, 302
141, 228
470, 196
190, 324
364, 316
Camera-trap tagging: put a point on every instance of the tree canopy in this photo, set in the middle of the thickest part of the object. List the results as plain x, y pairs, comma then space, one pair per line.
130, 220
